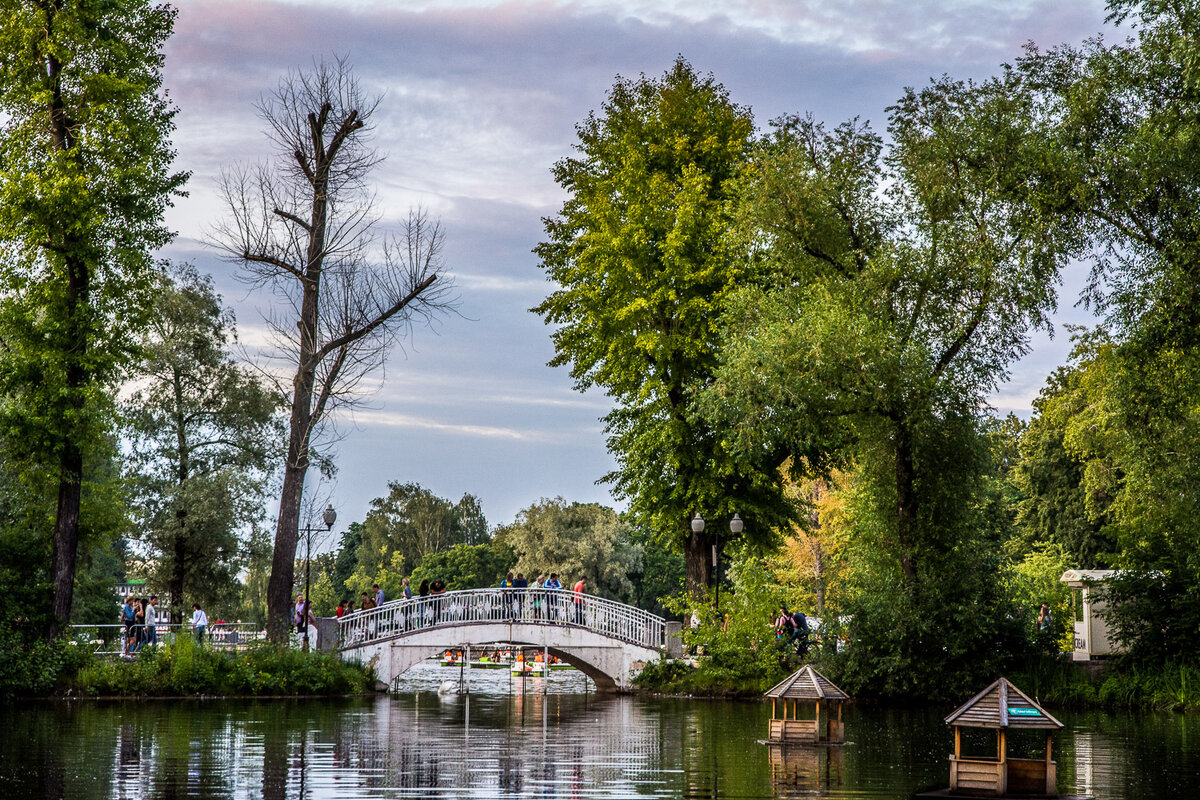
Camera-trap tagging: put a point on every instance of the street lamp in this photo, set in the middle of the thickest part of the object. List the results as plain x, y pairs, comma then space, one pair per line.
329, 517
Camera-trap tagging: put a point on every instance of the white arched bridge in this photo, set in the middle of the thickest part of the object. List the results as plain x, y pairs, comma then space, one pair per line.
610, 642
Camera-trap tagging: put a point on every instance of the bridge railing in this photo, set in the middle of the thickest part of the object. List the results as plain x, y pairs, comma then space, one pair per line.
397, 618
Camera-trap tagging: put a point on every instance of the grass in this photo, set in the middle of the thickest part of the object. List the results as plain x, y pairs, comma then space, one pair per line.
1123, 684
185, 669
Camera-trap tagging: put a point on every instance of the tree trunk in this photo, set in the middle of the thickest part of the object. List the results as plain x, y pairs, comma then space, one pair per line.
906, 507
66, 537
70, 481
697, 552
283, 560
177, 571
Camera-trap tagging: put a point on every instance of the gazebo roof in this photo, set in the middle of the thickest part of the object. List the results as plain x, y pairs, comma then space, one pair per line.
1002, 705
806, 684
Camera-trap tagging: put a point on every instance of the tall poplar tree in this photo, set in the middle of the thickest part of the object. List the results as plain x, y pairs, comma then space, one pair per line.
639, 252
84, 181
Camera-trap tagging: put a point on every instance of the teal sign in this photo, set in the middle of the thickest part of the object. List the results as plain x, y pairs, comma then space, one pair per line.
1023, 712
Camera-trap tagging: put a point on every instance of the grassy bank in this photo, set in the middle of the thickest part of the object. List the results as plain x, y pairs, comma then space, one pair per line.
183, 669
1119, 685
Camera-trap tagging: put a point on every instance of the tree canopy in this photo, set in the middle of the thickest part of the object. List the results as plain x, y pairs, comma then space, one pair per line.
640, 253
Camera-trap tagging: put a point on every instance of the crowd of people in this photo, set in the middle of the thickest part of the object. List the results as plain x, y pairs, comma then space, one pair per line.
543, 599
139, 618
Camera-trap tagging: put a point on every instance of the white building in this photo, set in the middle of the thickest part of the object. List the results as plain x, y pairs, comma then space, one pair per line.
1092, 637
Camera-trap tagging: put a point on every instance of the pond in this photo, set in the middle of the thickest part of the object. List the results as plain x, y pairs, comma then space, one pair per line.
509, 738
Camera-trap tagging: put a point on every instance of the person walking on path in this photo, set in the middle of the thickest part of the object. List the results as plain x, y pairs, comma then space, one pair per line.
578, 591
378, 595
298, 615
152, 621
437, 589
199, 622
139, 624
520, 584
553, 598
127, 617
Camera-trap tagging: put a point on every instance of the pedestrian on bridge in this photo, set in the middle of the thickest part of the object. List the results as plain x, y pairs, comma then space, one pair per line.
578, 591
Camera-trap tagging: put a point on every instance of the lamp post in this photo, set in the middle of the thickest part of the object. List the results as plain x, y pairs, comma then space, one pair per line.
329, 517
698, 528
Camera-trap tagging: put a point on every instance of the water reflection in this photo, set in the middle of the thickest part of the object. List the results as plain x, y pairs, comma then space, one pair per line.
500, 743
801, 771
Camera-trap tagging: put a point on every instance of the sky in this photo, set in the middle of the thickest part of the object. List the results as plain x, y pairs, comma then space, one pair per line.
479, 99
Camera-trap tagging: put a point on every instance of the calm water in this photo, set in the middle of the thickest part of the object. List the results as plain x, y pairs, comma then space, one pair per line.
512, 740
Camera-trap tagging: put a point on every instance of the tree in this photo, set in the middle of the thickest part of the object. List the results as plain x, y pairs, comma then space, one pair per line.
639, 252
464, 566
305, 226
1125, 122
412, 523
575, 540
84, 181
202, 430
909, 278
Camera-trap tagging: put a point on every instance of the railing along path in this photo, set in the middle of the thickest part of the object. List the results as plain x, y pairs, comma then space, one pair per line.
550, 607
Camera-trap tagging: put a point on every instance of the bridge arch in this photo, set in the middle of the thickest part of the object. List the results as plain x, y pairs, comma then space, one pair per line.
609, 642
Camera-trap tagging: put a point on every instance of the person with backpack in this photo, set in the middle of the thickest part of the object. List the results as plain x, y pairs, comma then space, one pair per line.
800, 632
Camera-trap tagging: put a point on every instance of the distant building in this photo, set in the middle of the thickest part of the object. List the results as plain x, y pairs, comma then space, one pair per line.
1092, 637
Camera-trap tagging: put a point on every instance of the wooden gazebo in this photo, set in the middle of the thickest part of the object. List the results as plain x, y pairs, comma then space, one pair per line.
1002, 707
802, 688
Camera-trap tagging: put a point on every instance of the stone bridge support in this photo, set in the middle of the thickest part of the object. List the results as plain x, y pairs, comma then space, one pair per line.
611, 663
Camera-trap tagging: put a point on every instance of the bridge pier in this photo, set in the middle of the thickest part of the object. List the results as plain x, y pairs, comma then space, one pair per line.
611, 664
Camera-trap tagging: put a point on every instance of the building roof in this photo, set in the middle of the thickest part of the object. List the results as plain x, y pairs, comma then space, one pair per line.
1002, 705
1078, 577
806, 684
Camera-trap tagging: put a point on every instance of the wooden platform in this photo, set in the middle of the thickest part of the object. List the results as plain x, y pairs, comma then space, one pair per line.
946, 795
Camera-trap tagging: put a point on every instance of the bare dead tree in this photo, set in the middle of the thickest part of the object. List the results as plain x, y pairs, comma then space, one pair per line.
303, 225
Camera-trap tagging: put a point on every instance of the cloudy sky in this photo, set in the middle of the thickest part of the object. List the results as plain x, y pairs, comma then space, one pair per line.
479, 99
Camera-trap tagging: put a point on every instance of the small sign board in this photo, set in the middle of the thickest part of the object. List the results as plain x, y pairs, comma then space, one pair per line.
1021, 711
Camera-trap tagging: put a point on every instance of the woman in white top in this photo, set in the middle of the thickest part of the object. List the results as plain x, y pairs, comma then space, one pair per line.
199, 622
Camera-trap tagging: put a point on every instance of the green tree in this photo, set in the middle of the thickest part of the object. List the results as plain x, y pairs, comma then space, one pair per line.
202, 430
575, 540
465, 566
640, 254
909, 278
413, 523
305, 225
660, 574
346, 559
1126, 131
84, 182
1055, 506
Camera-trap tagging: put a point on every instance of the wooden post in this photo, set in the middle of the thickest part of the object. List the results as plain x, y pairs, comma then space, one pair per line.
957, 743
817, 723
1003, 740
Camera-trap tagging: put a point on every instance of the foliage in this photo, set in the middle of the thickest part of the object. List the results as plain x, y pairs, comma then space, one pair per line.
660, 573
466, 566
29, 664
1055, 505
409, 524
908, 279
202, 430
184, 668
1035, 579
639, 251
346, 558
84, 182
575, 540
